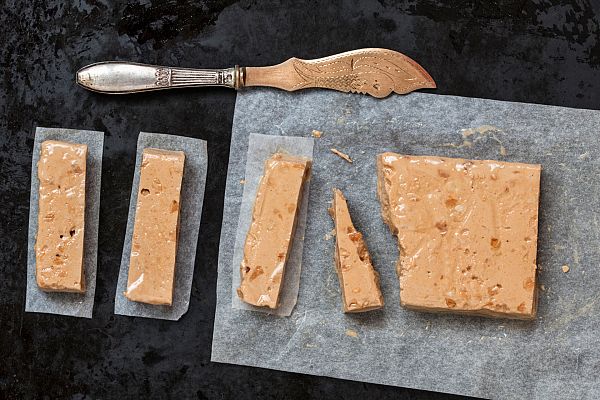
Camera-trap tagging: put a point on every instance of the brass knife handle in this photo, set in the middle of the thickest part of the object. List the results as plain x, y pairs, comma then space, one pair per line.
125, 77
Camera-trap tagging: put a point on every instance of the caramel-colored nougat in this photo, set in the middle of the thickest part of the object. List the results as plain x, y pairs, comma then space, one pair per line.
155, 233
269, 239
467, 232
59, 245
359, 282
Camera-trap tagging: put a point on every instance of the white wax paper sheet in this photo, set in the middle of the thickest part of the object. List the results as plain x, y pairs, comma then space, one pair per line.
555, 356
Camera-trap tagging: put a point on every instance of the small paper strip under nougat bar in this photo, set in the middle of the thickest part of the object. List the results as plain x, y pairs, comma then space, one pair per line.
61, 217
269, 238
155, 233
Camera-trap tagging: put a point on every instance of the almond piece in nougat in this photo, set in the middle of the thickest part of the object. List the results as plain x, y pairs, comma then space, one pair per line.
467, 232
359, 282
155, 233
269, 239
61, 217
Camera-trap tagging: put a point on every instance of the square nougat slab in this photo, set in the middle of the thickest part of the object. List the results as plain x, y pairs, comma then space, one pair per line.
467, 232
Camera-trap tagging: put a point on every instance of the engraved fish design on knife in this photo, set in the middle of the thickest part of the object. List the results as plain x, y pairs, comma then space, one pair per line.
373, 71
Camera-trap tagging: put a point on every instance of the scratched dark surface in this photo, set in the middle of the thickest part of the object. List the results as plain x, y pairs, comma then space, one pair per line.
541, 52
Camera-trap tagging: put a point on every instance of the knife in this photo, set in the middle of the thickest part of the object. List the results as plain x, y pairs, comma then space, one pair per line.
377, 72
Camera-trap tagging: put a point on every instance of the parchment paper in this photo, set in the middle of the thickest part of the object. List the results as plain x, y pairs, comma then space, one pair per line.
555, 356
192, 197
74, 304
260, 148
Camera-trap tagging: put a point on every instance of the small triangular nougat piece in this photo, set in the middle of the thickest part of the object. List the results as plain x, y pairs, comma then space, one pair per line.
359, 282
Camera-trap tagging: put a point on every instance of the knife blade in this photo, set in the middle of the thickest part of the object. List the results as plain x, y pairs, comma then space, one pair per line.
373, 71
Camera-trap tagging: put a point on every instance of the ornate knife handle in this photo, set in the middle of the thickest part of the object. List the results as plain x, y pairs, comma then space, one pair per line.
125, 77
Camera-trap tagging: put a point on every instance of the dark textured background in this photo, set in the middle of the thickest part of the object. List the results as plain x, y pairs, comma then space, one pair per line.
546, 51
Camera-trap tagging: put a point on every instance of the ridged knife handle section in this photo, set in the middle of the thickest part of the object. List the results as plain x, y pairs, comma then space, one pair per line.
126, 77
